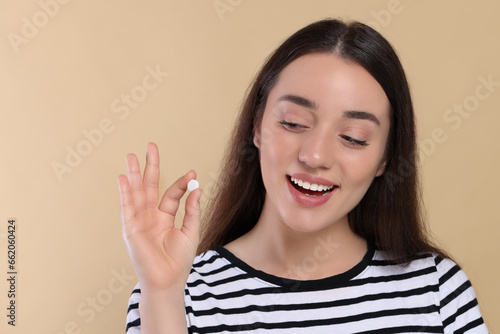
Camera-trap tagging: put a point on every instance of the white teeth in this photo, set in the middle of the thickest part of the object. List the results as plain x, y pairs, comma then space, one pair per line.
311, 186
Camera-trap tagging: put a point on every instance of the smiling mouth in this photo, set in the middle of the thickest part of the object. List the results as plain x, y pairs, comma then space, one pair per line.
310, 189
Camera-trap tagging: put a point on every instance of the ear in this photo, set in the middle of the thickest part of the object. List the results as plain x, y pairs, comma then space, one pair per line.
381, 168
256, 134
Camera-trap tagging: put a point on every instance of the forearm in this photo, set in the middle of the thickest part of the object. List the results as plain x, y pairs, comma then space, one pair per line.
163, 312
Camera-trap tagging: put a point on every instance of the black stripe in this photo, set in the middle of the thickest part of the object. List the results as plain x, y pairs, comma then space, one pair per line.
443, 279
234, 294
459, 312
132, 307
313, 323
300, 288
455, 294
392, 278
394, 262
213, 272
134, 323
219, 282
470, 325
318, 305
404, 329
210, 260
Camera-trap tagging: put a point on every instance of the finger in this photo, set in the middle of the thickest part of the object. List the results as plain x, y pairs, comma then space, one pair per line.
192, 216
135, 180
151, 175
126, 199
171, 199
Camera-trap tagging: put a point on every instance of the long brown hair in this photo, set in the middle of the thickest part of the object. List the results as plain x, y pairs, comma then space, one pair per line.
389, 215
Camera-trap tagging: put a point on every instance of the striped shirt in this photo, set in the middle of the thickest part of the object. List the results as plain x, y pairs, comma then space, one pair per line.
225, 295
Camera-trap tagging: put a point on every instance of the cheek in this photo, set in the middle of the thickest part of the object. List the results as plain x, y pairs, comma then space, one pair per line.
360, 169
277, 154
273, 142
276, 151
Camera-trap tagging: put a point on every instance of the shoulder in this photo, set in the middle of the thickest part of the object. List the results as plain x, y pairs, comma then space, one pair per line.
454, 284
208, 263
206, 258
209, 269
459, 307
451, 277
443, 273
455, 287
453, 293
423, 265
456, 298
432, 262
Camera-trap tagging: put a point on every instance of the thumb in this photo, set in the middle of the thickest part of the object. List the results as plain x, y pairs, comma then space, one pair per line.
192, 216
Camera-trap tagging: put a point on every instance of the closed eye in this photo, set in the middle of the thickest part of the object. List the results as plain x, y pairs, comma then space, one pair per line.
354, 142
292, 126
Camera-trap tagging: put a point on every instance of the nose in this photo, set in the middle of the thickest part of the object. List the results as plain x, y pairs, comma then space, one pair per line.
317, 150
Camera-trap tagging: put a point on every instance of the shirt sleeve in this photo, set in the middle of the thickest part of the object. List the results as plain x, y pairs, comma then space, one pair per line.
133, 317
458, 305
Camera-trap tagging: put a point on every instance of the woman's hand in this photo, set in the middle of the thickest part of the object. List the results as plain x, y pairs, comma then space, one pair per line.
162, 254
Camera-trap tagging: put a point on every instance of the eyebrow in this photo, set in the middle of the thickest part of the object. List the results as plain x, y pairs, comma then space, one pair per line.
299, 100
361, 115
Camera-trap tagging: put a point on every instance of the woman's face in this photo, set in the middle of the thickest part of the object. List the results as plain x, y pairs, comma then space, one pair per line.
321, 141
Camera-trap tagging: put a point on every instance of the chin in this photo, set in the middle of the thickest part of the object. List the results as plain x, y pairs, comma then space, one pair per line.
306, 224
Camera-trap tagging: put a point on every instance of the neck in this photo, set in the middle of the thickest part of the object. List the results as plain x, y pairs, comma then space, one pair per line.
278, 250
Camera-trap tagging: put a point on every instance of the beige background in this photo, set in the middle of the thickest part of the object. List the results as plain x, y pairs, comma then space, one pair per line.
66, 73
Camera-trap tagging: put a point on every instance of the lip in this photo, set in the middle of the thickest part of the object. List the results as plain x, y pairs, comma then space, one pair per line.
310, 201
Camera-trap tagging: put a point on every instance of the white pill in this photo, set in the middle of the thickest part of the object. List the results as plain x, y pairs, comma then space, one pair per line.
192, 185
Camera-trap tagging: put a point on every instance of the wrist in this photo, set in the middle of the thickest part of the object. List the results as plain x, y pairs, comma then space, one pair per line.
162, 311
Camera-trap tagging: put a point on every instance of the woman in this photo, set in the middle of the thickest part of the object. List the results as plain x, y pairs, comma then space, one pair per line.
316, 224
